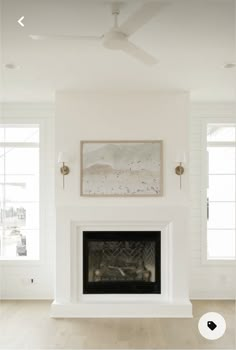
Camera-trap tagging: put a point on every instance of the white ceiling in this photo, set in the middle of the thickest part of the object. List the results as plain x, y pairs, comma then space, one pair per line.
192, 39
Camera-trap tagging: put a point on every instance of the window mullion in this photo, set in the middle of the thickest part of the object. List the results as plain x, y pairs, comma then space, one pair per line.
4, 197
235, 195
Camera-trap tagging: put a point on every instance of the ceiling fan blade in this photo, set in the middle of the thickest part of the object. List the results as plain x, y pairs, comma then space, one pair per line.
65, 37
139, 18
139, 53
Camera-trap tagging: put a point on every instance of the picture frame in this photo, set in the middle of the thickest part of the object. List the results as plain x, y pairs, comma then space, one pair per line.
121, 168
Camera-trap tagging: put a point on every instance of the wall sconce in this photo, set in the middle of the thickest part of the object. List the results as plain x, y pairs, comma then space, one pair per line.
62, 159
179, 170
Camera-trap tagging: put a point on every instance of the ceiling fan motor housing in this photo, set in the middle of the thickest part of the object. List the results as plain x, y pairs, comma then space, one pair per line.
114, 40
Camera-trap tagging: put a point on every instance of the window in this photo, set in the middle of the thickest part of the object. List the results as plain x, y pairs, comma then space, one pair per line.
221, 199
19, 191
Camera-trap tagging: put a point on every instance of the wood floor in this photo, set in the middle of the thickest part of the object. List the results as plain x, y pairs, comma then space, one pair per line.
26, 325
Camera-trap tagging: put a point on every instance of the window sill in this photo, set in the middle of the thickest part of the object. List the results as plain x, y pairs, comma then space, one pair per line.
20, 262
223, 263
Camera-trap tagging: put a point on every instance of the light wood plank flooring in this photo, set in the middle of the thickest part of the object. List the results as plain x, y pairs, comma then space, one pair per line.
27, 325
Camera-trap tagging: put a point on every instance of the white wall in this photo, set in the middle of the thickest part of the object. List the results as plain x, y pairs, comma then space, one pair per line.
215, 281
122, 116
15, 276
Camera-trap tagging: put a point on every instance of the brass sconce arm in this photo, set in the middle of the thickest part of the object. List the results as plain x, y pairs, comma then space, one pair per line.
179, 170
64, 169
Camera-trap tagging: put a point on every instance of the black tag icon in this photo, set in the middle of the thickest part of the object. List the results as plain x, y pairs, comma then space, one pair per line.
211, 325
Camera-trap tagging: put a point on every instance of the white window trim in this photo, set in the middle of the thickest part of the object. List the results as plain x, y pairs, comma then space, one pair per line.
42, 122
203, 189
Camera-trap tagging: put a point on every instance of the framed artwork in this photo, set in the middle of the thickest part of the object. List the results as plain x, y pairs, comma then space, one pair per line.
121, 168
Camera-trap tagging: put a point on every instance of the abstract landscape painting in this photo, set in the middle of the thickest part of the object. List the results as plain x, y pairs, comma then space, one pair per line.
121, 168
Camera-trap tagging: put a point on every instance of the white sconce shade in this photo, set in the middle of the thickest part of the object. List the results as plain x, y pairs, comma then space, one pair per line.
180, 157
62, 157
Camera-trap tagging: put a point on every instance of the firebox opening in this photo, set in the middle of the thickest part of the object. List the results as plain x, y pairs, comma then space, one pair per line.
121, 262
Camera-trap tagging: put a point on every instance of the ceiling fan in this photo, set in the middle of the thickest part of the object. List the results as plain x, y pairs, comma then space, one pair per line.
117, 38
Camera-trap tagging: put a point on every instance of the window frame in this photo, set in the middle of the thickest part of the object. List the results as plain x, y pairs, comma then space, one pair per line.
41, 123
203, 191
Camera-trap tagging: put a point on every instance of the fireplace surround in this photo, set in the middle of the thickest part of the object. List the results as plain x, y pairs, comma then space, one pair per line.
70, 299
121, 262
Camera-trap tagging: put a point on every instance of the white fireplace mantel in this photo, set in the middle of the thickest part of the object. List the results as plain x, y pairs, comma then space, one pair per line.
70, 300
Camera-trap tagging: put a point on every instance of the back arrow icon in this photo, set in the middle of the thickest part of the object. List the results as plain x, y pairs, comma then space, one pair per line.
20, 21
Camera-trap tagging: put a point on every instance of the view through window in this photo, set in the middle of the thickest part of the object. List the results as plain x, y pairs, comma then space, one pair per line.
19, 191
221, 198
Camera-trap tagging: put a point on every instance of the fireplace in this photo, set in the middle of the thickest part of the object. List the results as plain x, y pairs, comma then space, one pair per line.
151, 292
121, 262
